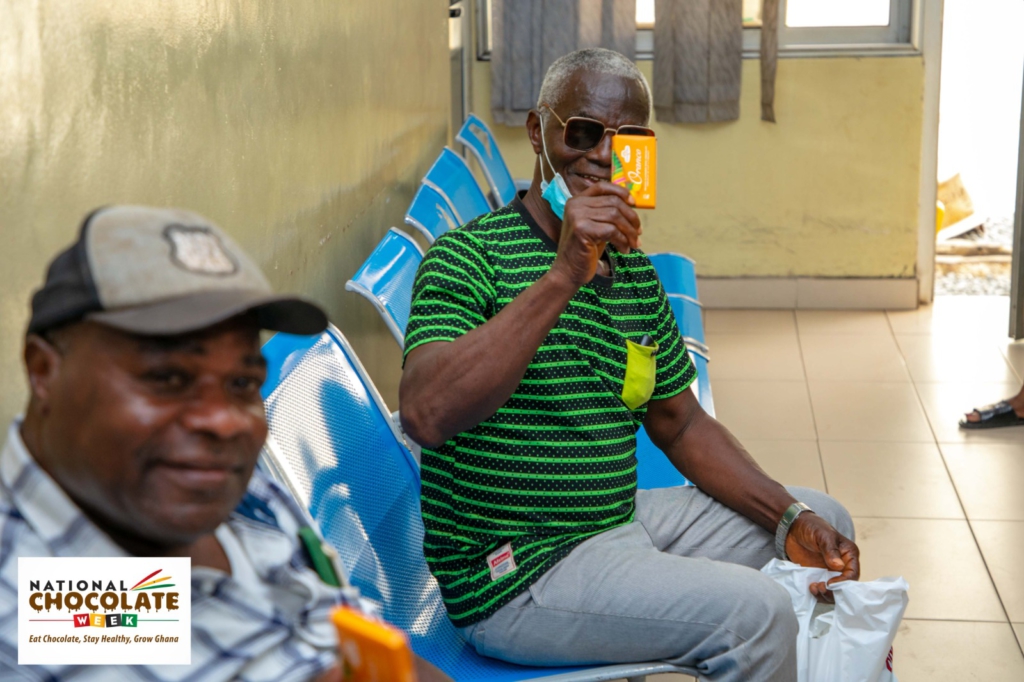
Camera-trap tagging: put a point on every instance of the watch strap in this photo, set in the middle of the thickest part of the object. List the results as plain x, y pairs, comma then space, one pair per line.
782, 532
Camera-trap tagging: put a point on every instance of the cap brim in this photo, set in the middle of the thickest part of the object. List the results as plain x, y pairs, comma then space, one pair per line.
280, 313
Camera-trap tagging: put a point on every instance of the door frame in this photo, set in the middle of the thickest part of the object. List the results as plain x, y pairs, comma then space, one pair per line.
1017, 277
928, 30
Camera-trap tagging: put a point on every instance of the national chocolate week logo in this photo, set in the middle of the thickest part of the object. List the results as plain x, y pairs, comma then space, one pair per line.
150, 600
104, 611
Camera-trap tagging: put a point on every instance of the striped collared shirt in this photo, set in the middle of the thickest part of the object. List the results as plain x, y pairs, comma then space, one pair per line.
280, 632
506, 500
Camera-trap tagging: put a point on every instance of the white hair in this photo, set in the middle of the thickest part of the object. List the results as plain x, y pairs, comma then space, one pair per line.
595, 59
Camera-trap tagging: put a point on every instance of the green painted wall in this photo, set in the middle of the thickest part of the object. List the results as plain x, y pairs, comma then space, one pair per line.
828, 191
302, 128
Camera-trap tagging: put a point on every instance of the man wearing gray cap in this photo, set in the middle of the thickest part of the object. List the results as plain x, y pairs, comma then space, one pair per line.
141, 436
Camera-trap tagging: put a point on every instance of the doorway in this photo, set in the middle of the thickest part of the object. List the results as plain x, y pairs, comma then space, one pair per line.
979, 139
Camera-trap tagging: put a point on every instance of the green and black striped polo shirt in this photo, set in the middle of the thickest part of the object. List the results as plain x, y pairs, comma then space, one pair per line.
556, 464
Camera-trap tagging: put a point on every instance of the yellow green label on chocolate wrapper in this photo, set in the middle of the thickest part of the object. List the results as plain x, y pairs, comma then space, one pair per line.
619, 176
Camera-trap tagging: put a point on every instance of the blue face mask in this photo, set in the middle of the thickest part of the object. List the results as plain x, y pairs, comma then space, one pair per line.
556, 192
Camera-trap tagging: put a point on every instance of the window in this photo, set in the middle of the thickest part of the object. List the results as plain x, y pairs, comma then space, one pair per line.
807, 27
863, 24
820, 13
751, 13
645, 14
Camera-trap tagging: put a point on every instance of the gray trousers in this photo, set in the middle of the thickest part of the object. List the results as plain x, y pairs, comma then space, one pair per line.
679, 584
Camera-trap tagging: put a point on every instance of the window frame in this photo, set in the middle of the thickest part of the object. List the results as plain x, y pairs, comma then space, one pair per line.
901, 38
897, 32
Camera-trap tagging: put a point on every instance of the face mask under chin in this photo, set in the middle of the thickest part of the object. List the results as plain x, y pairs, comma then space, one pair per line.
556, 192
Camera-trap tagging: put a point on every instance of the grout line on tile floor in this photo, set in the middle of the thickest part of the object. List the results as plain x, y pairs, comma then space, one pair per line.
960, 501
952, 620
918, 518
888, 323
807, 388
821, 460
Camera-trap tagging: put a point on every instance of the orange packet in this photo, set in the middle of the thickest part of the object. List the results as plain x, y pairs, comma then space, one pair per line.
635, 167
372, 651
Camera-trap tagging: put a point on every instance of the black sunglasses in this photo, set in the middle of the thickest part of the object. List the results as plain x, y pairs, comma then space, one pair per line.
583, 134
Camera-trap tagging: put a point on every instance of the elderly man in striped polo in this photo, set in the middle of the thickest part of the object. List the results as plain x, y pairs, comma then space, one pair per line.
540, 341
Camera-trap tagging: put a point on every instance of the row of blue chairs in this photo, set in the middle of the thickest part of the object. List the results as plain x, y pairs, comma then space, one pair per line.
450, 196
335, 445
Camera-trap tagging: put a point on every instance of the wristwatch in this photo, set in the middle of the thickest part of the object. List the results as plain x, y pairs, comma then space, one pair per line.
794, 510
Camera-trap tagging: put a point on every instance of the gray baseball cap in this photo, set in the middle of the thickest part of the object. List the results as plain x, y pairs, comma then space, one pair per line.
161, 272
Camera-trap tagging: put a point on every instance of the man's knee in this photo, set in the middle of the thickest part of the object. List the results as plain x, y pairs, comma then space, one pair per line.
780, 612
776, 650
827, 507
767, 610
760, 634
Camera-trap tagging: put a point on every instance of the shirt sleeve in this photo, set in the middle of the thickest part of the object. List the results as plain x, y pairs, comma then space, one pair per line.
453, 293
675, 370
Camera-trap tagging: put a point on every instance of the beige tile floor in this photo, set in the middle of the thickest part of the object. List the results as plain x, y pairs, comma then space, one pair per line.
865, 405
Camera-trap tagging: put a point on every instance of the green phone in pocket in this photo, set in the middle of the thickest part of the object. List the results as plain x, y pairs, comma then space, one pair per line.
641, 364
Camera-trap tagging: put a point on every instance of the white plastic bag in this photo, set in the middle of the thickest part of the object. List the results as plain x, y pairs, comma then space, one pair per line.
851, 642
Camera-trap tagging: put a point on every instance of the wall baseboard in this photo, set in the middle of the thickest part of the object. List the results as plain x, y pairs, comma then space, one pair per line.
808, 292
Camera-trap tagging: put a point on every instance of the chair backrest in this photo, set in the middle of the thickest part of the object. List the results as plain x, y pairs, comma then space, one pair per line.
676, 272
653, 468
332, 431
386, 279
430, 214
689, 316
451, 177
481, 143
702, 387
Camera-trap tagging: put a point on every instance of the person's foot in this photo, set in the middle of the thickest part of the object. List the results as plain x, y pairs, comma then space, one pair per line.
1017, 402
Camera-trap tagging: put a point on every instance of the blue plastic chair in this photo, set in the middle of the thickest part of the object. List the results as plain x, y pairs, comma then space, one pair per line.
477, 137
653, 469
690, 318
451, 178
677, 273
333, 443
430, 214
703, 384
386, 279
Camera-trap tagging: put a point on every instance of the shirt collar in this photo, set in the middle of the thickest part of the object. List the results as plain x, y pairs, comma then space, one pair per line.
44, 504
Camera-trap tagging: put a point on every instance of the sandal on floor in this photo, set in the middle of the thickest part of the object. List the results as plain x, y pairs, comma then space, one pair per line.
993, 417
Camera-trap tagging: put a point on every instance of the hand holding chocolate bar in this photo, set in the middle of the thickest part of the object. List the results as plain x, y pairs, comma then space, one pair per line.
602, 214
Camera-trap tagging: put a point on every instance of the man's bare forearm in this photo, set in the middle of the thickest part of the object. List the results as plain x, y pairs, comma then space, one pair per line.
704, 450
722, 468
448, 388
